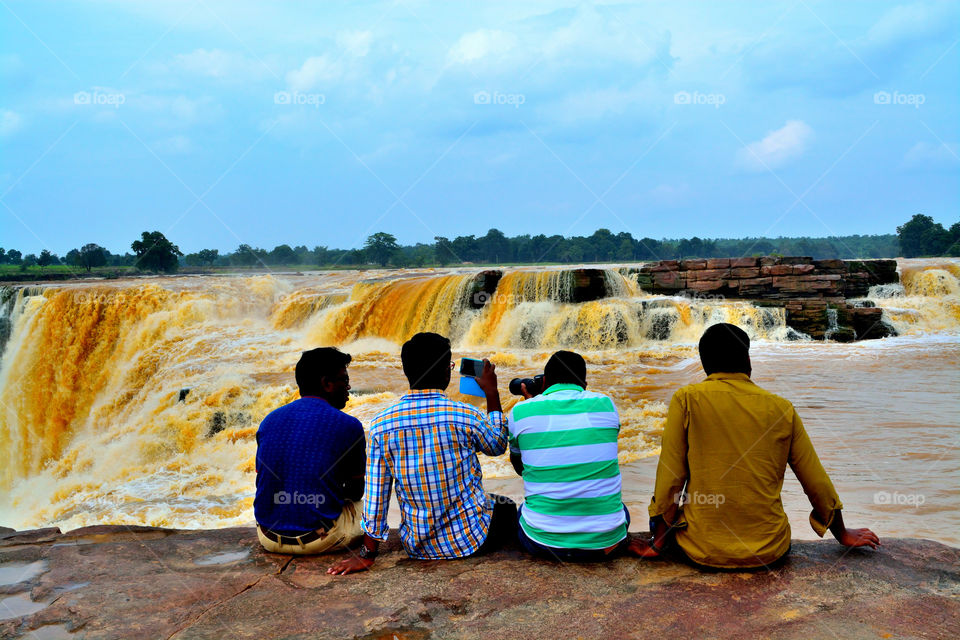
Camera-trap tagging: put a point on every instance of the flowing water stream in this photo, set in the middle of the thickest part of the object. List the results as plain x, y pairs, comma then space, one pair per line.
138, 401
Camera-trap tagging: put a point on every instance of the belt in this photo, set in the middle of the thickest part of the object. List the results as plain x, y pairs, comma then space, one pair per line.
300, 540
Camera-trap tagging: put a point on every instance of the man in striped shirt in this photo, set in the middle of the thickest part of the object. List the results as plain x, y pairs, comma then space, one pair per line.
426, 447
564, 444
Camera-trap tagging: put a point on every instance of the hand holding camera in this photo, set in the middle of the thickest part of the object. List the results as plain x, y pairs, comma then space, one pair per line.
527, 387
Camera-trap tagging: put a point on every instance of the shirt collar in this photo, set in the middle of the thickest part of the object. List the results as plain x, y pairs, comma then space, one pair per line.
728, 376
420, 393
562, 386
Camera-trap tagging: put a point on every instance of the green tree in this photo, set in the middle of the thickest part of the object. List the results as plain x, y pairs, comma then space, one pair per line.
443, 250
380, 247
921, 236
283, 254
155, 253
495, 247
208, 256
202, 258
244, 256
91, 255
600, 247
14, 256
46, 259
29, 260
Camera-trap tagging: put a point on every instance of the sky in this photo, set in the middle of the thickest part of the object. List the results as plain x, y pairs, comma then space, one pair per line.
228, 122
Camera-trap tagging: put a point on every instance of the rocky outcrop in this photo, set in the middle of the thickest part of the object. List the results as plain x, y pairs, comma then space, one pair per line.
483, 287
125, 582
813, 292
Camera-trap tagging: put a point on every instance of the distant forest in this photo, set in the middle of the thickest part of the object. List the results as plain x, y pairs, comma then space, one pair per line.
920, 236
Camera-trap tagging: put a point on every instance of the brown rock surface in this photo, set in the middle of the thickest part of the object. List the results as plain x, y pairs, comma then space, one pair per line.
117, 582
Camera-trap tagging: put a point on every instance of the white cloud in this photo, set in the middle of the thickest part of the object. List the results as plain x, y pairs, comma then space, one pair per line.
178, 111
222, 65
480, 44
777, 147
10, 122
314, 73
356, 43
906, 23
925, 154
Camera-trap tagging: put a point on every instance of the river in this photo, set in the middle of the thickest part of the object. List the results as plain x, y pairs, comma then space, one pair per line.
137, 401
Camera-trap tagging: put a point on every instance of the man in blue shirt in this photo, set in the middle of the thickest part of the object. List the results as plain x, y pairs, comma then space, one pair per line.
310, 463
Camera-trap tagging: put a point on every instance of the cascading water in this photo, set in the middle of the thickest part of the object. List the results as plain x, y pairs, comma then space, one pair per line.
926, 300
138, 402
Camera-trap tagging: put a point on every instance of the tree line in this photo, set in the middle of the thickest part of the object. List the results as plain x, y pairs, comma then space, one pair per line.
920, 236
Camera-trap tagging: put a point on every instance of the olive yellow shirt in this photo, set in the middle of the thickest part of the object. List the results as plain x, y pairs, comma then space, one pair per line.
729, 442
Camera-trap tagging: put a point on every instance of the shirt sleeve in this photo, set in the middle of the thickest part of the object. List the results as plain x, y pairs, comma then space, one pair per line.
813, 478
379, 482
355, 459
350, 468
672, 468
490, 433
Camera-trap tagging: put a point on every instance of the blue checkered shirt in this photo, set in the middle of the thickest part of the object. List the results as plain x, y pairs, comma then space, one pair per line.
426, 445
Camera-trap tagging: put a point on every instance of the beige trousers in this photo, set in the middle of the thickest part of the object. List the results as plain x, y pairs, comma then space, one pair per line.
345, 533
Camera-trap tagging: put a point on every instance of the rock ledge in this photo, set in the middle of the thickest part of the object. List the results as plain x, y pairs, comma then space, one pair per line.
124, 582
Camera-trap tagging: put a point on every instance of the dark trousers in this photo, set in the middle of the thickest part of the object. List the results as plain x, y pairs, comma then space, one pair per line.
573, 555
503, 525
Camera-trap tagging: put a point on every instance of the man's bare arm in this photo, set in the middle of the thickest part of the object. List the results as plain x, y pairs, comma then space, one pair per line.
852, 537
517, 461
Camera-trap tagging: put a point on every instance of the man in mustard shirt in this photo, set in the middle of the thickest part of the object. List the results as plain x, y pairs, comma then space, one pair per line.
728, 442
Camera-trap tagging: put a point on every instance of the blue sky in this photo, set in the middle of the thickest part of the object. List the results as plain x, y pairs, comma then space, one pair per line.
220, 123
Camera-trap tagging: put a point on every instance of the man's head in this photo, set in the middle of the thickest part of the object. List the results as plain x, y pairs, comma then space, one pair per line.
565, 367
725, 348
426, 361
323, 372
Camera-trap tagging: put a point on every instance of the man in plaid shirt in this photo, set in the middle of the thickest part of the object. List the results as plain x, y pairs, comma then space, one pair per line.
426, 445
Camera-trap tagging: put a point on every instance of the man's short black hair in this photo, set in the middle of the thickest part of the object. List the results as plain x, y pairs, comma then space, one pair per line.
725, 348
316, 364
566, 367
426, 361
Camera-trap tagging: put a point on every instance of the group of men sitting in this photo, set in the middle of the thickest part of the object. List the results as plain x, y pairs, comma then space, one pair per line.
716, 503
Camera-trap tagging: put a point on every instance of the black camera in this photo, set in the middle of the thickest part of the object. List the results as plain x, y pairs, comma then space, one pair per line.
534, 385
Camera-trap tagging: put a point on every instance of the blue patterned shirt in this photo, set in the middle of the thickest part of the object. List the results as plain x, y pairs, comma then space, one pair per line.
426, 445
307, 452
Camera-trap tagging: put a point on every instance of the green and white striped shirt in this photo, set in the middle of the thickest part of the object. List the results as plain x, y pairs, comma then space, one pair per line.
567, 439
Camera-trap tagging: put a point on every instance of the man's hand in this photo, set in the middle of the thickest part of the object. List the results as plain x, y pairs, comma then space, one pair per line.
526, 394
858, 538
488, 378
352, 564
852, 537
488, 382
642, 549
